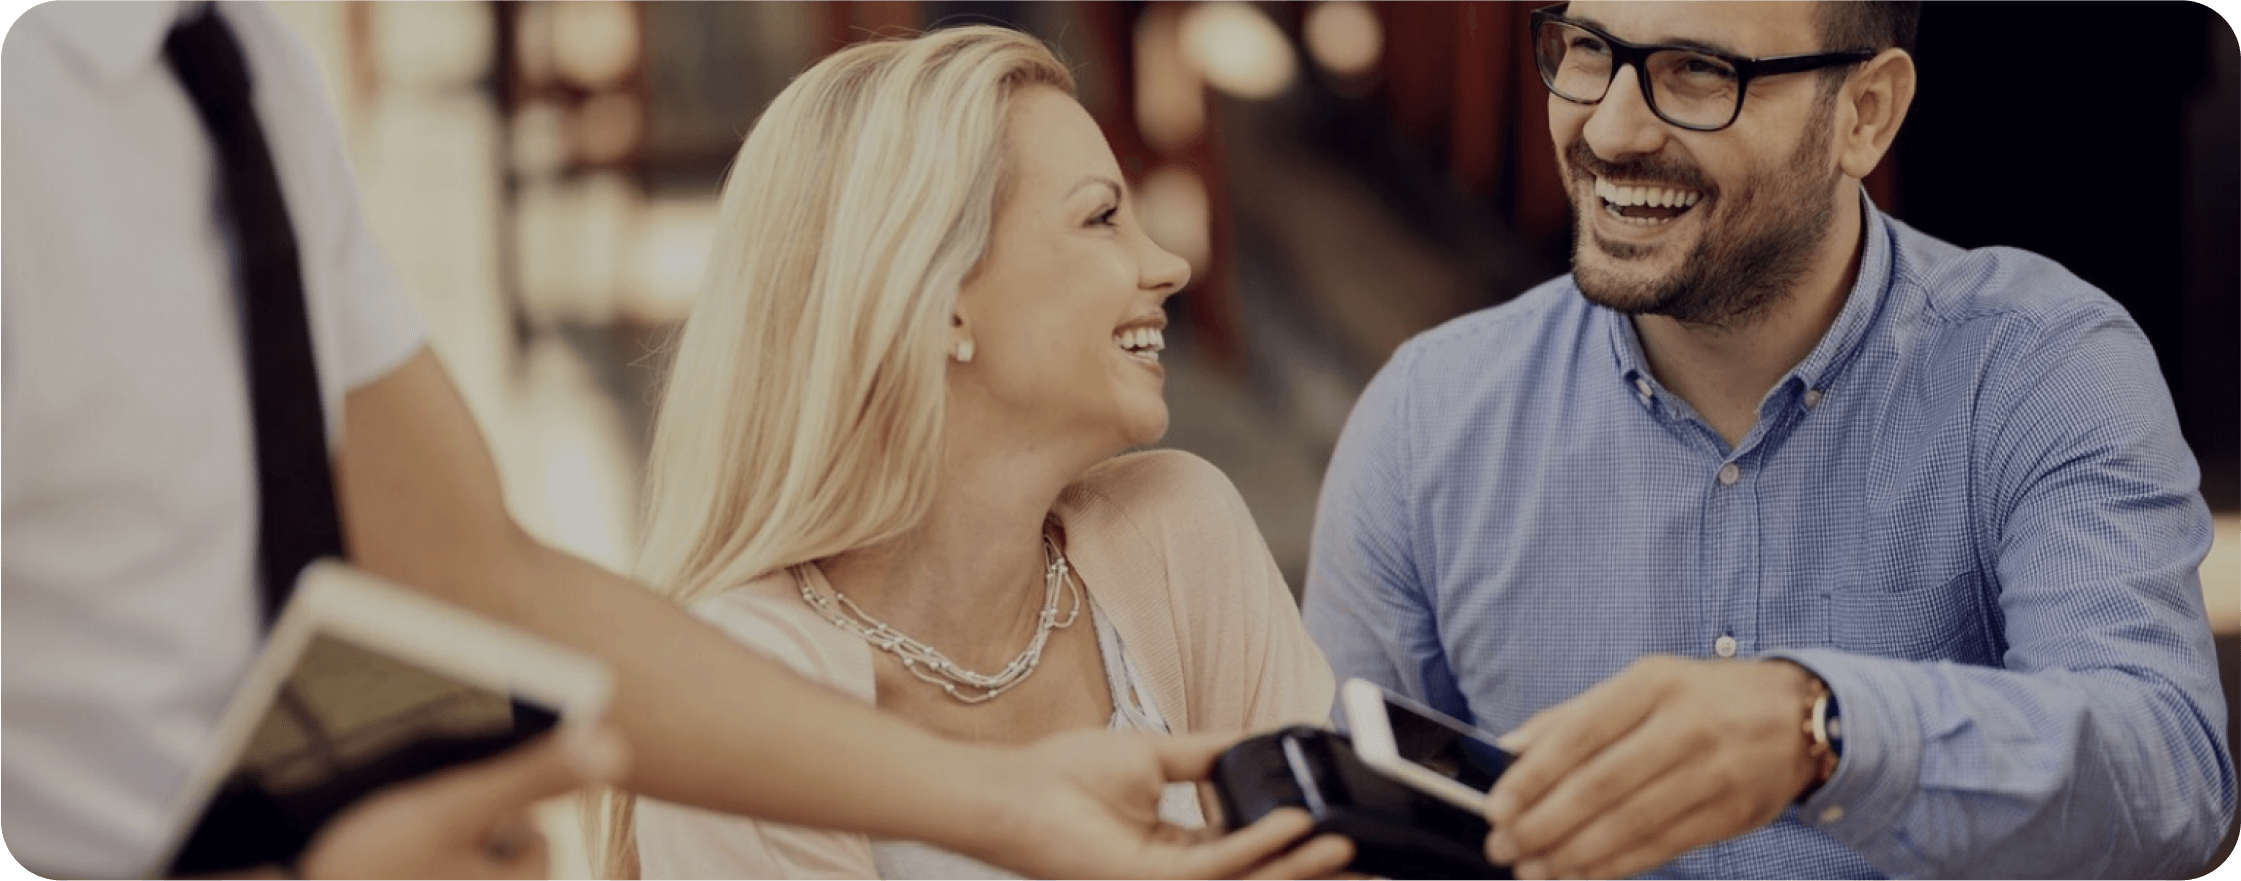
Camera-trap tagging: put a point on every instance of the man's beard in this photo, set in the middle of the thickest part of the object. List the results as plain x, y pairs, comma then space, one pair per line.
1773, 224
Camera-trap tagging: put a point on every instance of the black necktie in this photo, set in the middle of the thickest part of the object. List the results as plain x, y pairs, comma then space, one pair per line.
295, 488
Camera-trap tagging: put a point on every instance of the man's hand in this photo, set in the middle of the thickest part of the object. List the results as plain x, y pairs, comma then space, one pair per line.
471, 821
1087, 806
1666, 756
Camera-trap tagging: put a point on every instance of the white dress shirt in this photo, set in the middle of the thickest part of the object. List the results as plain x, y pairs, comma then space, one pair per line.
129, 603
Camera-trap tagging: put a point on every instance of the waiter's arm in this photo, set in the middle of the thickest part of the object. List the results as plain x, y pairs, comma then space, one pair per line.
715, 725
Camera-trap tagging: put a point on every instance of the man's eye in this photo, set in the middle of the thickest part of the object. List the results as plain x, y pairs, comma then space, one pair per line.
1106, 217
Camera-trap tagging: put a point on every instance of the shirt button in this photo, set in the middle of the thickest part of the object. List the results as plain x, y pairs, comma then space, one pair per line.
1642, 389
1729, 474
1724, 646
1812, 397
1832, 813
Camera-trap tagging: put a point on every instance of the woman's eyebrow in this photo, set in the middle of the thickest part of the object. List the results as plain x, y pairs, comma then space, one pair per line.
1119, 193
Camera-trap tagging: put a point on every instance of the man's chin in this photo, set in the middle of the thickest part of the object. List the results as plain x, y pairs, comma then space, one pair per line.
1623, 251
1630, 301
1629, 284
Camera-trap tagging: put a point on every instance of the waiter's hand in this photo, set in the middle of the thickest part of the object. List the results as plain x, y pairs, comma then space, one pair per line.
1085, 804
471, 821
1668, 755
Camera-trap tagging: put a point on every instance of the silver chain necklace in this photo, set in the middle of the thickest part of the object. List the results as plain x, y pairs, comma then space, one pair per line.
928, 663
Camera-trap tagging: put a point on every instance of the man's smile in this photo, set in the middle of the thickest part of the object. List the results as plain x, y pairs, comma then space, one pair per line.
1644, 204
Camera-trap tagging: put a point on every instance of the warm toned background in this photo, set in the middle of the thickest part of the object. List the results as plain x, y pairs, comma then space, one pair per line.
1341, 175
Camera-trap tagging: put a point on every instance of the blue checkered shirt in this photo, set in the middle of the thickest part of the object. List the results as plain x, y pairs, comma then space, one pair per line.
1969, 510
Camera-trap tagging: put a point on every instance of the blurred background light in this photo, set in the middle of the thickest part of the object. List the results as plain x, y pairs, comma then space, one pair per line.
1344, 37
594, 42
1170, 94
1238, 49
533, 37
432, 45
540, 139
606, 127
560, 477
668, 254
569, 238
1177, 216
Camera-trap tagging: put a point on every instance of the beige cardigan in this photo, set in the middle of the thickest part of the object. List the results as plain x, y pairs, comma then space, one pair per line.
1168, 550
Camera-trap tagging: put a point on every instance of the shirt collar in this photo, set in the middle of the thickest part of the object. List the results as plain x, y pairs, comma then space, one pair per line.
1836, 345
117, 39
1844, 334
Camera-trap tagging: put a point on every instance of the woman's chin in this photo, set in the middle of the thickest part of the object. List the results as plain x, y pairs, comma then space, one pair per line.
1147, 431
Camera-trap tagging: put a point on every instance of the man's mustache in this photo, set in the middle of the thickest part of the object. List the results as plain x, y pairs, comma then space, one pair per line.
1644, 169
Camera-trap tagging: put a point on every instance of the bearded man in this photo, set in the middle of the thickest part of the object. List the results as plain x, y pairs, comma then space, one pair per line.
1780, 538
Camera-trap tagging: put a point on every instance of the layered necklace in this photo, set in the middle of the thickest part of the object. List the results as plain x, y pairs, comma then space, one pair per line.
928, 663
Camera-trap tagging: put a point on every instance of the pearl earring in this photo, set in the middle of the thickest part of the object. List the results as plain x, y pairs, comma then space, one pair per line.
962, 352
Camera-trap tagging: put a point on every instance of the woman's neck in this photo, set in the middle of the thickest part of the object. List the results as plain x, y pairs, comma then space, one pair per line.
969, 578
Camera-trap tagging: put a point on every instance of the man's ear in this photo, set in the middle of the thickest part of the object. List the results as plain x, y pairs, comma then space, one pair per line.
1875, 104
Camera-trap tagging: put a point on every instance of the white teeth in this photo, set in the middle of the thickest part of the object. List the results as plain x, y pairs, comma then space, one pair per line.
1144, 341
1656, 197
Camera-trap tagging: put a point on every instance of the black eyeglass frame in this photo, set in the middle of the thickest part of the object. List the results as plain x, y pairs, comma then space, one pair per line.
1624, 53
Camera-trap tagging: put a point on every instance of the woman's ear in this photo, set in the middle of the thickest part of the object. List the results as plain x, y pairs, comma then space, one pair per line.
960, 338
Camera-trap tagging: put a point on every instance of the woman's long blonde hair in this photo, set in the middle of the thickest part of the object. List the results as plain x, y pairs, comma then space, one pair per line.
803, 411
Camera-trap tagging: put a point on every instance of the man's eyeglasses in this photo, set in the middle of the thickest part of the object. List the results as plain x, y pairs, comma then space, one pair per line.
1696, 89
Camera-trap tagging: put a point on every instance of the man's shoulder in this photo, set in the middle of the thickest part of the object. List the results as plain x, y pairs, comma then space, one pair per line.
1498, 341
1957, 285
2020, 327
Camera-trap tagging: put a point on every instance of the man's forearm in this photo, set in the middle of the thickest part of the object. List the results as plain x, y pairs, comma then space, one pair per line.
1961, 771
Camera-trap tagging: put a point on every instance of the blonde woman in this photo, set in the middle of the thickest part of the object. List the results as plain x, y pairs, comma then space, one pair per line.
886, 453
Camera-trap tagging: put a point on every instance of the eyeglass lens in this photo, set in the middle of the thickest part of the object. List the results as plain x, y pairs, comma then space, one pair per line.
1687, 88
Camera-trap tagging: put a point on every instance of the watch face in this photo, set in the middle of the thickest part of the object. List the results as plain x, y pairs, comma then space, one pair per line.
1827, 727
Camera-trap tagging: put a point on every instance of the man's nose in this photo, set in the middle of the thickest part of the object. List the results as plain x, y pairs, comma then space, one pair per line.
1622, 124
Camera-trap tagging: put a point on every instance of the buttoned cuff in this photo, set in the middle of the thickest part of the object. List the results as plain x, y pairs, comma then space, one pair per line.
1861, 804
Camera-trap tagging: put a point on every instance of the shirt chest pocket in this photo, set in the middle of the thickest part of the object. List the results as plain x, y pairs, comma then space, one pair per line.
1908, 584
1915, 615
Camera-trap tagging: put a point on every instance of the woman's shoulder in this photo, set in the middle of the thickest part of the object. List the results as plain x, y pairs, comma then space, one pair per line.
769, 616
1165, 515
1171, 488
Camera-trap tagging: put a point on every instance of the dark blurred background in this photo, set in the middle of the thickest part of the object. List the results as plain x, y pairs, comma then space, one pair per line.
1341, 175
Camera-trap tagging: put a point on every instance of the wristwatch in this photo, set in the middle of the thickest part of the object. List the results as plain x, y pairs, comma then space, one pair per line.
1824, 735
